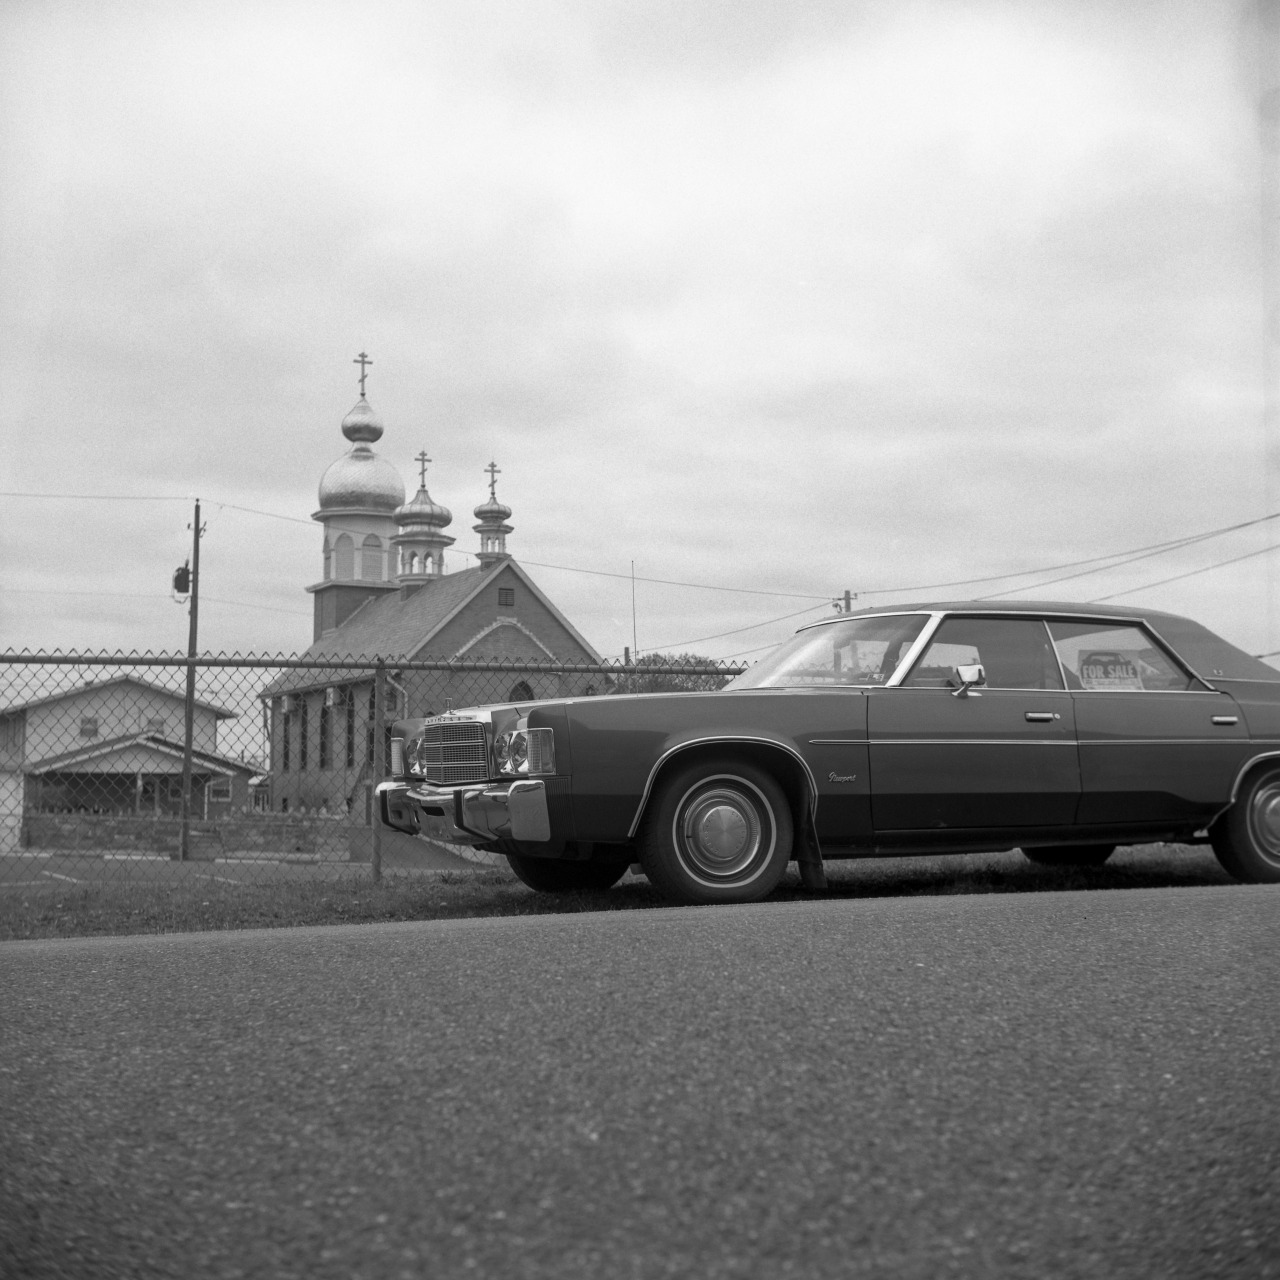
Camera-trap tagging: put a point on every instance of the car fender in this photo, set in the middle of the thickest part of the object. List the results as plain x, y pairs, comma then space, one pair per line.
1251, 763
727, 739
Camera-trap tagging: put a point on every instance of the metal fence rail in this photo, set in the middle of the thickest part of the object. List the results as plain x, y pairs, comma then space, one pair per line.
115, 768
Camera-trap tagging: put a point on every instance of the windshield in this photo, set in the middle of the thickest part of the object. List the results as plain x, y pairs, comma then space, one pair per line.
862, 651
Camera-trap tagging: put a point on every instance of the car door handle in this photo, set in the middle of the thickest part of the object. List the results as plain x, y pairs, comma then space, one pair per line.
1226, 719
1043, 717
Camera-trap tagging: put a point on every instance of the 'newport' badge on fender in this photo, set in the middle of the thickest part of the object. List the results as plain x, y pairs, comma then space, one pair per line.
841, 777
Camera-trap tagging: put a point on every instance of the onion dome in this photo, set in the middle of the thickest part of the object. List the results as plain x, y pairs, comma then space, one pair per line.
424, 510
362, 424
492, 512
360, 478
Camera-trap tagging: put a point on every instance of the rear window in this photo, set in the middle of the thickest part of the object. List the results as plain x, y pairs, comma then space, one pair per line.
1101, 656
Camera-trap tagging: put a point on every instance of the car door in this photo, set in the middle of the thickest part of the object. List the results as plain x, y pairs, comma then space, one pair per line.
1156, 744
998, 756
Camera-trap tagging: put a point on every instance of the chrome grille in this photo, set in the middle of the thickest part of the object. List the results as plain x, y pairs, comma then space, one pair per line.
451, 753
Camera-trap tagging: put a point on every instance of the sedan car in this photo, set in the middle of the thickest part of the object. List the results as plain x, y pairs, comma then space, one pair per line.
1060, 729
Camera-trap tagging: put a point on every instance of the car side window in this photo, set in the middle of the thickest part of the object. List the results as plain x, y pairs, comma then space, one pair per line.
1015, 653
1099, 655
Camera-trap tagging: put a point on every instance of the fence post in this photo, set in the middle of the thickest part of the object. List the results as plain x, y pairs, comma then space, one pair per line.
184, 838
379, 765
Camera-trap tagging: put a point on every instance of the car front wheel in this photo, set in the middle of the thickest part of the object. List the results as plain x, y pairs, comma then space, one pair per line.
719, 831
1070, 855
551, 875
1247, 837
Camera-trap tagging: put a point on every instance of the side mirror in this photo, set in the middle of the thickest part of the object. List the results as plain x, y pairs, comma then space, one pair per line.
968, 677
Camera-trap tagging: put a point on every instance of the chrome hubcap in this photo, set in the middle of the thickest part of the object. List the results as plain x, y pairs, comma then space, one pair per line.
720, 833
1264, 820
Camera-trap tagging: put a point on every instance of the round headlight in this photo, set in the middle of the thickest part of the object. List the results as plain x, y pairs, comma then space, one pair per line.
502, 749
519, 749
411, 762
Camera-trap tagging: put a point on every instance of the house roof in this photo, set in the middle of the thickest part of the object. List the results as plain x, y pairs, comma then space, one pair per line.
398, 626
93, 685
150, 741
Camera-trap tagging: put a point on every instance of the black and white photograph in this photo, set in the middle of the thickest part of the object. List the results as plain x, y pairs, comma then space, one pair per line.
640, 638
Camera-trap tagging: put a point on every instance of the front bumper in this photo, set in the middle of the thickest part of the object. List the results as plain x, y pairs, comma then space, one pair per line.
480, 813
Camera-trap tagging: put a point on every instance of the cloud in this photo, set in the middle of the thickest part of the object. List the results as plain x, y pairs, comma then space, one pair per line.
791, 296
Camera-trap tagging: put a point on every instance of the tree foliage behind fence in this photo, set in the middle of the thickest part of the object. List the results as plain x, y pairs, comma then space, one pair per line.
106, 776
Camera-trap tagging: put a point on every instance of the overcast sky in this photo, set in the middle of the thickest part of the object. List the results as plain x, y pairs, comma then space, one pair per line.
788, 295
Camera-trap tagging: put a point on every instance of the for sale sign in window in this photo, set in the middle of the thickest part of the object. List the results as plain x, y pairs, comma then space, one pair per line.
1109, 669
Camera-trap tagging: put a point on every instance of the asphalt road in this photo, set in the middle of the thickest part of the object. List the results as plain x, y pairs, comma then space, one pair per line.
1069, 1084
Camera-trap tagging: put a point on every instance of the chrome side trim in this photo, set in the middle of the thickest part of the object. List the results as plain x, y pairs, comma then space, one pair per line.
1244, 768
978, 742
728, 740
838, 742
909, 658
1162, 742
1150, 693
1002, 688
1235, 786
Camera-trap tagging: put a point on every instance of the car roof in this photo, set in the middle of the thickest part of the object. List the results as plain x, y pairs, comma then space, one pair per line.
1011, 607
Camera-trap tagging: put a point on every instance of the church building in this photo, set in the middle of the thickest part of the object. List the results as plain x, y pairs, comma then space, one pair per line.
384, 593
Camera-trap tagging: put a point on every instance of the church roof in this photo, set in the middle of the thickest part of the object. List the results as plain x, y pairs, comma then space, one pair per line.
398, 626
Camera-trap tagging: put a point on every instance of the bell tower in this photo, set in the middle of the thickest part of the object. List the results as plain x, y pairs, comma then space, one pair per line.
420, 540
359, 494
493, 528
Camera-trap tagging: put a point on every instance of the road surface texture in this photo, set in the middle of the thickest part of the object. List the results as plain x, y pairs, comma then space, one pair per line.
1069, 1084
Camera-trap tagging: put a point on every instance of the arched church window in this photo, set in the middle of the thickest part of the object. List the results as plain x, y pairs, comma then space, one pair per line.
520, 692
371, 559
328, 560
344, 558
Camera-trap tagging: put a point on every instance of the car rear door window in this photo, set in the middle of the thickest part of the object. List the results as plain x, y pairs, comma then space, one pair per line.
1015, 653
1098, 656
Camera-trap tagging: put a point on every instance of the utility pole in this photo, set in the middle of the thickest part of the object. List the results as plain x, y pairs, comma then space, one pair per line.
1267, 46
634, 642
184, 841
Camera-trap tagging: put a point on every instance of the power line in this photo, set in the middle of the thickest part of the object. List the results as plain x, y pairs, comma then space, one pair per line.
737, 631
104, 497
1115, 564
1120, 557
668, 582
1112, 560
149, 595
745, 653
565, 568
1177, 577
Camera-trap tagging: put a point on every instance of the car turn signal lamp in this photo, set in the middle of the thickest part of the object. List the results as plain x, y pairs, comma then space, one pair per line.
525, 751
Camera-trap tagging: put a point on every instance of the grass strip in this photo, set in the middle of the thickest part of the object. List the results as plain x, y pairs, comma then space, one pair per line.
59, 910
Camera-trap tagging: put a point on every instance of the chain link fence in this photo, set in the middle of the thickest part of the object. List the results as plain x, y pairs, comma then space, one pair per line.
132, 768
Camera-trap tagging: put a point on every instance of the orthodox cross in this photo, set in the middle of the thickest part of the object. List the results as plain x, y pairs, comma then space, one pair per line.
494, 472
421, 459
362, 360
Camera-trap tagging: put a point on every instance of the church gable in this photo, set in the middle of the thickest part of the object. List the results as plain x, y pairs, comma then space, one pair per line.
506, 639
508, 618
